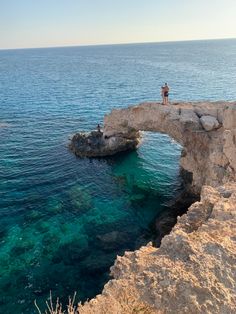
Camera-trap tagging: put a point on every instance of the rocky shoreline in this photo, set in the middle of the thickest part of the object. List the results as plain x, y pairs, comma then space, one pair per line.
95, 144
193, 270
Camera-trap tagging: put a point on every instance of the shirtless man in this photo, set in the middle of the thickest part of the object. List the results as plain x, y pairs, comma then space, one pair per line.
166, 94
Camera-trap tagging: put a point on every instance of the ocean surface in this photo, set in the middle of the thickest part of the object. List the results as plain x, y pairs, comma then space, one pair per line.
63, 219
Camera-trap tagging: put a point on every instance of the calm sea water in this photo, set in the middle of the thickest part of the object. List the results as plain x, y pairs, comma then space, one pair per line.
63, 220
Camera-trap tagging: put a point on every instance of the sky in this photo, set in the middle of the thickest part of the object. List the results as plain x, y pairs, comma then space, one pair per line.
49, 23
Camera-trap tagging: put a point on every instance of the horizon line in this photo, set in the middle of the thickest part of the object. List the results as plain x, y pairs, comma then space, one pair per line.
118, 44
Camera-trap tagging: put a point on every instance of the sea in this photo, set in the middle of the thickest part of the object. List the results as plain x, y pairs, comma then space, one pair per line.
63, 220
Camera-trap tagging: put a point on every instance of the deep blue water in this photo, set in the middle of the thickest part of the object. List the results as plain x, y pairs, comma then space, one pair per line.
63, 220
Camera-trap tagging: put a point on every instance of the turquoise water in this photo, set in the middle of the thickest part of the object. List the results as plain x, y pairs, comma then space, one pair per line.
63, 220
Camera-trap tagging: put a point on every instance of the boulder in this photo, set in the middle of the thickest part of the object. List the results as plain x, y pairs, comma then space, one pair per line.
209, 123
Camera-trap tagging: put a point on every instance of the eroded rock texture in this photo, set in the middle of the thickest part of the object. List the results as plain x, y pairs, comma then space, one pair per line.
206, 131
194, 269
95, 144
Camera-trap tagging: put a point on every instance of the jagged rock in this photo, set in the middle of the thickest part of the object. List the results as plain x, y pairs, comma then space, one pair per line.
193, 271
94, 144
208, 156
209, 123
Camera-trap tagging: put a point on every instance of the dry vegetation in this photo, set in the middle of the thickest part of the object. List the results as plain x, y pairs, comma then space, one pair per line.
57, 308
129, 305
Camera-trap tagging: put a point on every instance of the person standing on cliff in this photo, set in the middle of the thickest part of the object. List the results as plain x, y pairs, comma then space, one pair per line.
166, 90
162, 94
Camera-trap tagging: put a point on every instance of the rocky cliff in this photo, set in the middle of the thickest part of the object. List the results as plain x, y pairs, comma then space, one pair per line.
193, 270
206, 131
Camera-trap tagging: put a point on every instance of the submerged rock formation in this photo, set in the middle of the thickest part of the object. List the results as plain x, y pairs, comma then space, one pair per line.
193, 270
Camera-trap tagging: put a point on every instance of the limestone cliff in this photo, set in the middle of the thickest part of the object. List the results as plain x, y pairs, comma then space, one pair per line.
193, 271
207, 132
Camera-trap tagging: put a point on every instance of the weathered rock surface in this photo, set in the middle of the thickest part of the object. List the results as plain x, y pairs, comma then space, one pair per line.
94, 144
194, 269
207, 132
209, 123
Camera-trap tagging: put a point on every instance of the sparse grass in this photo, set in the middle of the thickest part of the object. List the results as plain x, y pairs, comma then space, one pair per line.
127, 304
71, 308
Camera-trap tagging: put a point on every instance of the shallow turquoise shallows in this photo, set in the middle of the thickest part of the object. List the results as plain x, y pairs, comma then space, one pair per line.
63, 220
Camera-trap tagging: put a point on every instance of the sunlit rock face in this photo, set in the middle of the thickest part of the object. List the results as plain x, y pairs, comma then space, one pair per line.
193, 270
206, 131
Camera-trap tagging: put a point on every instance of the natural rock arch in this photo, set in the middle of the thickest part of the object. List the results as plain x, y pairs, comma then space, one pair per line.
195, 264
207, 132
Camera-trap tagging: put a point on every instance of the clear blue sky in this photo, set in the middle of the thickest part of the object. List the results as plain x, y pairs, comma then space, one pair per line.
42, 23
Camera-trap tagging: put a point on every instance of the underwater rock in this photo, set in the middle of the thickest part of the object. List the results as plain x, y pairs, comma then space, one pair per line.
81, 201
33, 216
194, 266
100, 264
71, 253
112, 240
54, 205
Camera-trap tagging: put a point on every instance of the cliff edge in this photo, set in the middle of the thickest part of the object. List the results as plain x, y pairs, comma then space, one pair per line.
206, 131
194, 269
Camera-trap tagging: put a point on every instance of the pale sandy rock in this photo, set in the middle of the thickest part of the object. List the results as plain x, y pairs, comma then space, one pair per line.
192, 272
230, 147
194, 269
208, 155
229, 120
209, 123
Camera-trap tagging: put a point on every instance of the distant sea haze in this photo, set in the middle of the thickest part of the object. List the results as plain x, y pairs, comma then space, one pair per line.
63, 220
